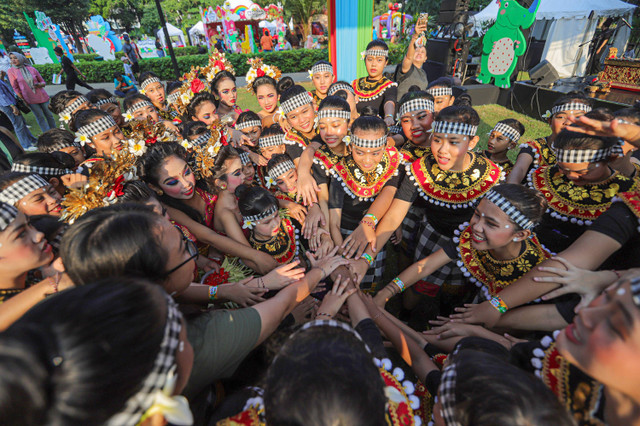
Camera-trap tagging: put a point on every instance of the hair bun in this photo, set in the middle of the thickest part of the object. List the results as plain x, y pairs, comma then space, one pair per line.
368, 111
284, 84
241, 190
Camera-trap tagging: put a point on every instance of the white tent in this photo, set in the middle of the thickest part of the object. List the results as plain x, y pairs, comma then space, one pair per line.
567, 25
197, 29
173, 32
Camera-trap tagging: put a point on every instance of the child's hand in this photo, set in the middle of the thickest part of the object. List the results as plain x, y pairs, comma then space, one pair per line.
356, 243
307, 188
314, 217
334, 299
297, 212
283, 275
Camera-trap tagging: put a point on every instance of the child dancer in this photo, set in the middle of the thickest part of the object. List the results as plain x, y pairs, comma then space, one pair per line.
502, 138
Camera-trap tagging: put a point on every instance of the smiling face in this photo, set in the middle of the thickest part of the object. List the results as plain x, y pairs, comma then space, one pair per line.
45, 200
227, 92
267, 98
415, 126
235, 176
560, 120
332, 130
322, 81
368, 158
176, 179
375, 64
585, 173
206, 112
450, 150
288, 182
267, 227
420, 56
149, 112
302, 118
492, 228
114, 111
604, 339
22, 248
498, 143
106, 142
155, 92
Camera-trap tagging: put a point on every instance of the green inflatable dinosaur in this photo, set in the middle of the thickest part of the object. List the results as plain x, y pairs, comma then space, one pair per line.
504, 42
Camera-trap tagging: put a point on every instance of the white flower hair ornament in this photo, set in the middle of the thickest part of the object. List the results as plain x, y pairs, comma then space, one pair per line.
137, 147
269, 181
174, 408
546, 114
82, 139
128, 117
248, 224
310, 74
66, 117
186, 144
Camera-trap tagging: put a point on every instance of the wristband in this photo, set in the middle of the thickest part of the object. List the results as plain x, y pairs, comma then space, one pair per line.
499, 304
322, 314
368, 258
372, 216
618, 276
397, 281
213, 293
365, 222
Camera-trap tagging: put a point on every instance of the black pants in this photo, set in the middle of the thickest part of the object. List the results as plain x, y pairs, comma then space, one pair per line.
72, 80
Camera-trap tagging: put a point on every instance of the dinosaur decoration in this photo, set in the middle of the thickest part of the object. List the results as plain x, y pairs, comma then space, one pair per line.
504, 42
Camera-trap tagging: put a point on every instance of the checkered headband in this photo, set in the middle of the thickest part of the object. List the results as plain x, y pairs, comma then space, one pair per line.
365, 143
281, 168
419, 104
510, 210
375, 52
571, 106
44, 171
274, 140
8, 214
440, 91
507, 131
450, 127
575, 156
296, 102
247, 124
73, 106
447, 393
149, 81
139, 403
321, 68
635, 290
60, 145
265, 214
329, 323
96, 127
105, 101
244, 158
138, 105
202, 139
20, 189
337, 113
173, 97
340, 86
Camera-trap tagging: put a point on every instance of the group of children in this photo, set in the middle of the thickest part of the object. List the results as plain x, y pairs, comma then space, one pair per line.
177, 259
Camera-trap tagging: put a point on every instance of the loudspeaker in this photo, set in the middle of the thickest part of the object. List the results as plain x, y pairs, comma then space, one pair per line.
543, 74
454, 5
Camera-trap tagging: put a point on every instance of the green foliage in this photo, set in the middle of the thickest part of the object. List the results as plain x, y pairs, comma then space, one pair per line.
126, 12
150, 22
102, 71
11, 18
303, 10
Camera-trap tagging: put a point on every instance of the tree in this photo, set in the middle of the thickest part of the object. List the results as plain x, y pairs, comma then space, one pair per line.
150, 22
303, 11
126, 12
69, 17
11, 18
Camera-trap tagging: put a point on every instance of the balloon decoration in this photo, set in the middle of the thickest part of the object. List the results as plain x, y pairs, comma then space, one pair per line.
101, 28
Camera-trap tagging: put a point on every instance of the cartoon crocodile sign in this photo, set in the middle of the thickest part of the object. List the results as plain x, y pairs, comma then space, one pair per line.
504, 42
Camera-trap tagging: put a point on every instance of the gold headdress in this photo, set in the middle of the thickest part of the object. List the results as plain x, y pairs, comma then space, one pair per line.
259, 69
217, 62
144, 133
203, 156
191, 85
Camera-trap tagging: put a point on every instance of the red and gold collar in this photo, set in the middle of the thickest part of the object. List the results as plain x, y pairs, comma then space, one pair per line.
283, 247
326, 158
367, 90
362, 185
543, 155
293, 137
411, 152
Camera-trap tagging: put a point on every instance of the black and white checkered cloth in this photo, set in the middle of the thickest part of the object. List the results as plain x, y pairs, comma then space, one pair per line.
320, 68
366, 143
373, 277
419, 104
510, 210
105, 101
138, 105
571, 106
165, 360
244, 158
274, 140
8, 214
575, 156
410, 229
149, 81
296, 102
430, 241
340, 86
44, 171
507, 131
265, 214
65, 114
247, 124
450, 127
61, 145
173, 97
447, 392
100, 125
331, 323
334, 113
375, 52
21, 188
281, 168
440, 91
202, 139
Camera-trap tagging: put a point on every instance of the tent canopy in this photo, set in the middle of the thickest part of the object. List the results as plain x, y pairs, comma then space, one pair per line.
570, 27
197, 29
173, 31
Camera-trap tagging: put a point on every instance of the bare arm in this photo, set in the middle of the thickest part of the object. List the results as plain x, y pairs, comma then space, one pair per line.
519, 171
307, 186
335, 216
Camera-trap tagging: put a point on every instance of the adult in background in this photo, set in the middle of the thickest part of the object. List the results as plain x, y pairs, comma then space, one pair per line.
70, 70
5, 64
266, 42
159, 50
28, 84
131, 53
8, 107
410, 72
123, 85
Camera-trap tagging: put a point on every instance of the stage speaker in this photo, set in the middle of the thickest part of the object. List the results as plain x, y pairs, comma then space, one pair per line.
543, 74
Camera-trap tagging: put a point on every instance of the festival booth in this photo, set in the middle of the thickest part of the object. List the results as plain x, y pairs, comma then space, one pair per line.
391, 23
196, 33
567, 27
176, 35
230, 21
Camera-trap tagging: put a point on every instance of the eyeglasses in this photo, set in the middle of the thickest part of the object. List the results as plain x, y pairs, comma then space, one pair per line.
191, 248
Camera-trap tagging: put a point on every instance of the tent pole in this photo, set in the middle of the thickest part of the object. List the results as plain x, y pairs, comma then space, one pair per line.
167, 40
584, 37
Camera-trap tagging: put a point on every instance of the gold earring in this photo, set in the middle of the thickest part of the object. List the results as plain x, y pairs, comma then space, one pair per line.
159, 192
223, 186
